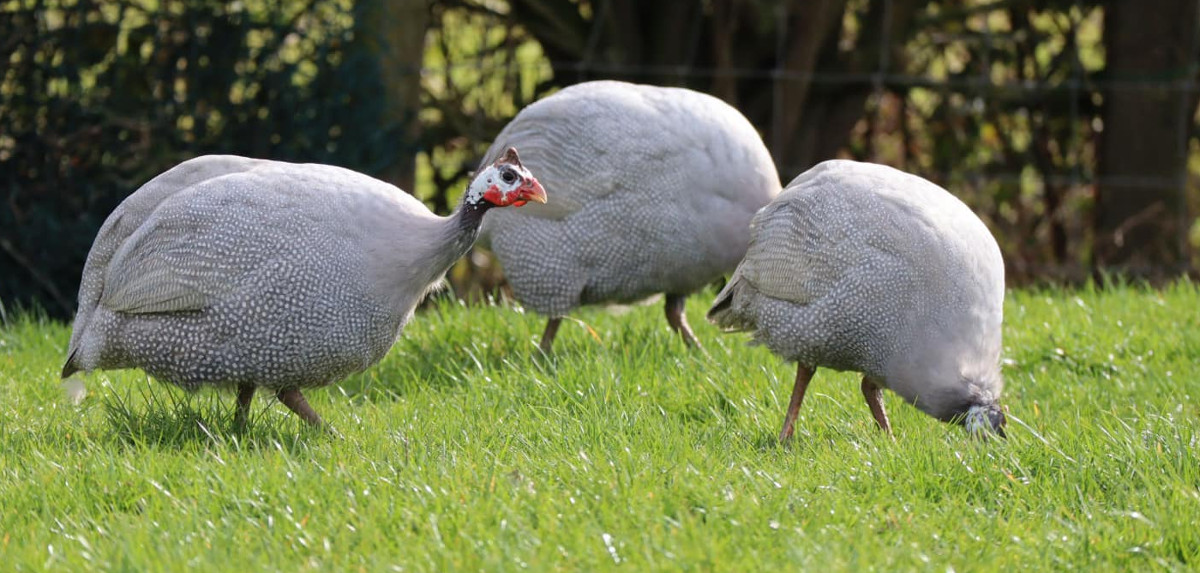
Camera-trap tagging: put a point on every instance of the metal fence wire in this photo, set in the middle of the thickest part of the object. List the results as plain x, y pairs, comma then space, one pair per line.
1002, 102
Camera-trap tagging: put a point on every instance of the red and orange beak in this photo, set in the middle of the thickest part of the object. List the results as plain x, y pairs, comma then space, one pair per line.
530, 190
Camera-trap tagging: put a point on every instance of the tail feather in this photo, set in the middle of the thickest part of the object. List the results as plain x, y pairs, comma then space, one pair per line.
721, 307
69, 367
722, 314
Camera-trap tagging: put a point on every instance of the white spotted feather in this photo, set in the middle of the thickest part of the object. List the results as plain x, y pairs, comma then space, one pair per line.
863, 267
653, 190
227, 271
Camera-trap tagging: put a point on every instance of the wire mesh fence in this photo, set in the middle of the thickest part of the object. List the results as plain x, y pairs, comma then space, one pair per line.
1004, 103
1008, 104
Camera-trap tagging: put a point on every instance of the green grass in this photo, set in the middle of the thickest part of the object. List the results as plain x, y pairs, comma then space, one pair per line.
463, 450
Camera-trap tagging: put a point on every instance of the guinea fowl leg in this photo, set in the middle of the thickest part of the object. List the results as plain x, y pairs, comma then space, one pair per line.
294, 400
678, 321
549, 334
803, 375
242, 414
874, 398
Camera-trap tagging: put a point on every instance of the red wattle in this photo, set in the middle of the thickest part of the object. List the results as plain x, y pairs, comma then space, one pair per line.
494, 196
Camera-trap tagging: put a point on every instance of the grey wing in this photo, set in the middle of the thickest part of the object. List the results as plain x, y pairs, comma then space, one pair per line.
792, 256
131, 215
172, 263
786, 260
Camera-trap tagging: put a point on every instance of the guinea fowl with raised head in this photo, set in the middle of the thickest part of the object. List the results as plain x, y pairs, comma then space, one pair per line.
862, 267
249, 273
653, 192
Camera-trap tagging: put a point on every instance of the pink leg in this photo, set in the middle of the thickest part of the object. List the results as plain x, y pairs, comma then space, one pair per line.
803, 375
242, 415
678, 320
549, 334
874, 398
294, 400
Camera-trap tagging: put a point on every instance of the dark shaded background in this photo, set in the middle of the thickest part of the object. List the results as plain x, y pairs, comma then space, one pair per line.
1068, 126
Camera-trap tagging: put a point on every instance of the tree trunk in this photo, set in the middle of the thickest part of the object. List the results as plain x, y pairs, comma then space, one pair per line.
803, 121
813, 28
1141, 214
816, 122
394, 30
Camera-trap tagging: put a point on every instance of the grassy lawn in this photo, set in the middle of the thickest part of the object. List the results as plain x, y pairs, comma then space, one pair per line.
463, 450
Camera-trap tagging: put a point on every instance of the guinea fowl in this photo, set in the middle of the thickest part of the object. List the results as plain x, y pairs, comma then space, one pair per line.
653, 191
250, 273
866, 268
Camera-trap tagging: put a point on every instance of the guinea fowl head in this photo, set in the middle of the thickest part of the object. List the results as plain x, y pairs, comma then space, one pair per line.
503, 183
977, 408
986, 419
967, 395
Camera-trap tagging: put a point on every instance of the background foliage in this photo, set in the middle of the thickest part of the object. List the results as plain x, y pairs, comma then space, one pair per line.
98, 97
1067, 125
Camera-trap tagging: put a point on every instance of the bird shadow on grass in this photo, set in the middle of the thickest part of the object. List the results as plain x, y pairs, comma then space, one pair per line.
443, 365
172, 418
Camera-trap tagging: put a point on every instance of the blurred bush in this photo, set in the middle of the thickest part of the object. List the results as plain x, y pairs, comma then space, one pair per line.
1068, 126
98, 96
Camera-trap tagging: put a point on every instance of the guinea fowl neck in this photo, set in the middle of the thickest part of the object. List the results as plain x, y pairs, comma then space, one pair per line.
462, 228
469, 217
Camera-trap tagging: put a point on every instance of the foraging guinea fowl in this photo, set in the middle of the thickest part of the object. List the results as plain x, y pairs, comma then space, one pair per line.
653, 191
866, 268
249, 273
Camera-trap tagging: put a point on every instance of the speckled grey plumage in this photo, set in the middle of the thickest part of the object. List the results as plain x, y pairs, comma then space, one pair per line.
226, 270
652, 191
863, 267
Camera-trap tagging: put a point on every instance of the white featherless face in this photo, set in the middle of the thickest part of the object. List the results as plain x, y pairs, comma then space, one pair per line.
505, 182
